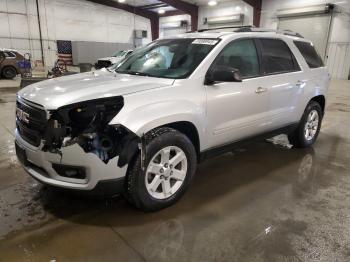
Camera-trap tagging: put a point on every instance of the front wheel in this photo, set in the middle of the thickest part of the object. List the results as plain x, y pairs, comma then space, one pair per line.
169, 167
309, 126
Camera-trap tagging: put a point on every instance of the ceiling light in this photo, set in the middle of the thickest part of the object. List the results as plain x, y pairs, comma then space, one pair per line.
161, 11
121, 1
212, 3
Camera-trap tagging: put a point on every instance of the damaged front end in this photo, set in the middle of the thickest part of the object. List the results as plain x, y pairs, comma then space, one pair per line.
86, 124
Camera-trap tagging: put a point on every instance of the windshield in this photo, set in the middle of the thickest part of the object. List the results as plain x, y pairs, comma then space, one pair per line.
119, 53
170, 58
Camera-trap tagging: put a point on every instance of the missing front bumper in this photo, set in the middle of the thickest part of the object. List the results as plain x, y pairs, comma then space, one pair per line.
39, 165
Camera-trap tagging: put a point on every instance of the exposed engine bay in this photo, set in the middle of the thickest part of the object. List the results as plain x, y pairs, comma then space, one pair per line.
86, 124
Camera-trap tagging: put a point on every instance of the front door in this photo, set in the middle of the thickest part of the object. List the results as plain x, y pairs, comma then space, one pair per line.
237, 110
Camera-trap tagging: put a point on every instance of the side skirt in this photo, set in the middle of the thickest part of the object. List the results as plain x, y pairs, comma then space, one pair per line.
215, 151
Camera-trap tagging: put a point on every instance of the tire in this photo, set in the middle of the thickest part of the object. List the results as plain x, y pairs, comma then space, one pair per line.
9, 72
300, 137
138, 190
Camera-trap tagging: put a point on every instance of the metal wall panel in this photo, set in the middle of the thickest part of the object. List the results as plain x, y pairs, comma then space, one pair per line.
89, 52
338, 61
312, 27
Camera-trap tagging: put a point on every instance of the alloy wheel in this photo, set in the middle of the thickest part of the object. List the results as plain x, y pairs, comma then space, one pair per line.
166, 172
311, 125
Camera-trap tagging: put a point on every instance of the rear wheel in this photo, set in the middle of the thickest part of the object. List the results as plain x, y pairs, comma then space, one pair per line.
309, 126
9, 72
170, 165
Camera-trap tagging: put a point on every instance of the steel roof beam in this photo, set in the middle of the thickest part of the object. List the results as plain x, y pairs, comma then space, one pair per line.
153, 6
256, 4
172, 13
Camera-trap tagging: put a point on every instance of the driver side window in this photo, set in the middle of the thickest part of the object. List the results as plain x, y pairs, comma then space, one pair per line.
241, 55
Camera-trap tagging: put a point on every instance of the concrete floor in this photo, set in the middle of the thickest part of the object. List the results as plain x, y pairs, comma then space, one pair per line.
265, 202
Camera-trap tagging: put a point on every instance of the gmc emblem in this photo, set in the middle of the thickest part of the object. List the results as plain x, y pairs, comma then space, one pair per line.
22, 116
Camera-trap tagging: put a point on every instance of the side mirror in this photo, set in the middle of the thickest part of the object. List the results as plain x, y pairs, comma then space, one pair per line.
222, 74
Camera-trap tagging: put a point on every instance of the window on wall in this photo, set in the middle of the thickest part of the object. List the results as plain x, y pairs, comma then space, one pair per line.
241, 55
277, 57
309, 53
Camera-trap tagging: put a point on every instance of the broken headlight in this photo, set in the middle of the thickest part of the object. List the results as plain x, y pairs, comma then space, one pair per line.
91, 115
85, 123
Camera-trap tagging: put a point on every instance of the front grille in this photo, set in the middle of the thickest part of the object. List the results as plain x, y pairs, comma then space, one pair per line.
32, 128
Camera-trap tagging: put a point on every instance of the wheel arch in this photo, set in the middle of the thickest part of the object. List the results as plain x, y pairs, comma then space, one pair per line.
189, 130
183, 116
321, 100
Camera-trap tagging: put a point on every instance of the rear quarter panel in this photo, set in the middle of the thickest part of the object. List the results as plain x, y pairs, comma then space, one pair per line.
315, 81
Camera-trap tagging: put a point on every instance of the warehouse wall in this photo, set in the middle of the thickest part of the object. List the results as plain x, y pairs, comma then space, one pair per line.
205, 11
224, 9
75, 20
338, 51
166, 27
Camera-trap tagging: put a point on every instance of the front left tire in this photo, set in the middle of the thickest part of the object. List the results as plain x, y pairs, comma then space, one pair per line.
169, 166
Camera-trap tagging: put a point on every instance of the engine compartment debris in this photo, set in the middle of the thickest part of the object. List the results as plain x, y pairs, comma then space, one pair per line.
86, 124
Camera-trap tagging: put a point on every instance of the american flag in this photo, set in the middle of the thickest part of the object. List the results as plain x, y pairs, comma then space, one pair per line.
64, 49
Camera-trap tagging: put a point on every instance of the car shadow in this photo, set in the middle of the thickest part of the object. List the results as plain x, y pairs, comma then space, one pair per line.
214, 179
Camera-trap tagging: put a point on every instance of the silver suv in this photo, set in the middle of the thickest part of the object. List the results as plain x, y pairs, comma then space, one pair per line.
142, 127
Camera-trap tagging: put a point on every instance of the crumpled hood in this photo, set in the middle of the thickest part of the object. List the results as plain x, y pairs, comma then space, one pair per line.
57, 92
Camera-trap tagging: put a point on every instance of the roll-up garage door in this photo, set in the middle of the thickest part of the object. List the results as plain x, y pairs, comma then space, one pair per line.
313, 27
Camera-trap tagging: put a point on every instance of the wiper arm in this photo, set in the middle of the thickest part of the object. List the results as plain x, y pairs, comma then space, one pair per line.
134, 73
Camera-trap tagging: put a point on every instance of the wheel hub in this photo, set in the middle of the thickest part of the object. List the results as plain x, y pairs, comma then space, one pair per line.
311, 125
166, 172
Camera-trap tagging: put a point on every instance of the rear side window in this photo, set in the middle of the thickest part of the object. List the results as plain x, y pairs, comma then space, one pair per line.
277, 57
309, 53
241, 55
9, 54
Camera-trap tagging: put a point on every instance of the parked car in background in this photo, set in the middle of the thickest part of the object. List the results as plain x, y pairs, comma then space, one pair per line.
114, 59
9, 66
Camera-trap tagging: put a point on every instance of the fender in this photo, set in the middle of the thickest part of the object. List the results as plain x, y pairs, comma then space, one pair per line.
142, 119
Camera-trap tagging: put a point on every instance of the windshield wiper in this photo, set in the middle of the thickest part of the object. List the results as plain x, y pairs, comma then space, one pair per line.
134, 73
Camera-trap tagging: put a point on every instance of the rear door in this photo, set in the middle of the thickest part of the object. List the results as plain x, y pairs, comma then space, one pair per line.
283, 79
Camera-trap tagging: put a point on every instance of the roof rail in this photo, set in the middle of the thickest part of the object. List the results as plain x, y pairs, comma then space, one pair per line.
289, 32
225, 27
251, 28
262, 30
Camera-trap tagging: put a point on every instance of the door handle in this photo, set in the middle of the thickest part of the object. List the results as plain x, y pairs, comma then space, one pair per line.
300, 83
260, 90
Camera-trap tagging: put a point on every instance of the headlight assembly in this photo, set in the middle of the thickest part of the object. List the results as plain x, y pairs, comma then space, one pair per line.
85, 123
